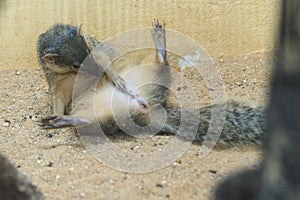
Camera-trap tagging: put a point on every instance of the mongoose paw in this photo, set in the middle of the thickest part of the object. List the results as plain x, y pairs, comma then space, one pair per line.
140, 104
50, 122
156, 24
143, 105
158, 34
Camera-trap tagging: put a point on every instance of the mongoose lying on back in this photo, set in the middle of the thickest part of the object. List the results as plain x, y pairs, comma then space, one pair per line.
244, 123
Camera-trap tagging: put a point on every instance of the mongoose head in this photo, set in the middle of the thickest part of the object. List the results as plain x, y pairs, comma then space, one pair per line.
63, 48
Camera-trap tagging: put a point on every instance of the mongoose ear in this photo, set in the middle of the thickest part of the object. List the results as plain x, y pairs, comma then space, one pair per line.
78, 30
85, 38
50, 57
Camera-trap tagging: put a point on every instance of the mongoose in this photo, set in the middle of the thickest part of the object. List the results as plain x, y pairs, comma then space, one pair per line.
278, 176
244, 123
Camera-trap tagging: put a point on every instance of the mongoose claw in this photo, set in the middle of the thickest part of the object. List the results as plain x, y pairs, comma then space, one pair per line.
156, 24
157, 27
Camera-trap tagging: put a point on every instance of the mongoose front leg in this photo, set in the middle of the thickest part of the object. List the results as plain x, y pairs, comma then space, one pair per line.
159, 38
58, 105
103, 60
121, 85
58, 93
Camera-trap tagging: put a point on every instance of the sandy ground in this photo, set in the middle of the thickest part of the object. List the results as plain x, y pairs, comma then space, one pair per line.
60, 165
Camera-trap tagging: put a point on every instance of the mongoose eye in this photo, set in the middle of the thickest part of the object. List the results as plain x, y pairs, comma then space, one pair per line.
76, 66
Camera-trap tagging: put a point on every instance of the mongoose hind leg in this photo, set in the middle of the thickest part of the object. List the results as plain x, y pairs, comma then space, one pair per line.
159, 93
159, 38
62, 121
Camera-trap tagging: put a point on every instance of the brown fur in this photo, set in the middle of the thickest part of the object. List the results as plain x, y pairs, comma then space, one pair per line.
244, 123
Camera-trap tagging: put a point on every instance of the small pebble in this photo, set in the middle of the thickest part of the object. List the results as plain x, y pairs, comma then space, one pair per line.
82, 194
57, 177
49, 135
18, 72
6, 124
212, 171
39, 161
50, 164
178, 161
159, 185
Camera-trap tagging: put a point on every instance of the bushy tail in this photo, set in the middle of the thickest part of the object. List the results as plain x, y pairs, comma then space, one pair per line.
244, 124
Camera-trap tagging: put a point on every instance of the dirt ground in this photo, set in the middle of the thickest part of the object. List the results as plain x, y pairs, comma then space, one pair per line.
61, 166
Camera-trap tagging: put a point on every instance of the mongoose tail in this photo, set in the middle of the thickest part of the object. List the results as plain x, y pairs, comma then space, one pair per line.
244, 124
